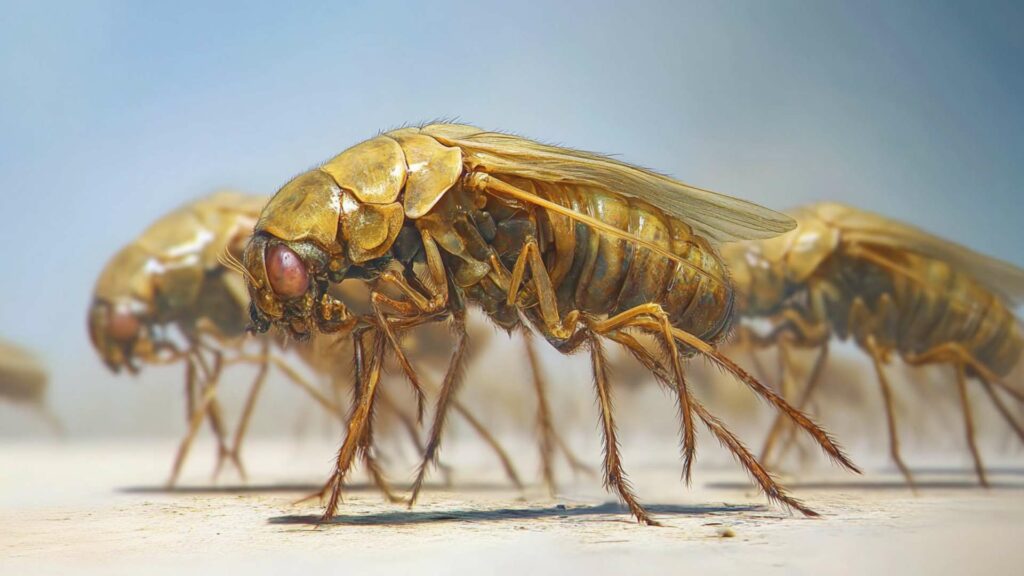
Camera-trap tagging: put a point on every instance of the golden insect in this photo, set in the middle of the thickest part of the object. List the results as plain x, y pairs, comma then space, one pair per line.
23, 380
580, 246
170, 296
850, 274
166, 298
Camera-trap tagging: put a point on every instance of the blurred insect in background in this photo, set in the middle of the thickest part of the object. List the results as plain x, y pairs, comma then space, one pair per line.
23, 381
581, 246
891, 288
165, 298
171, 296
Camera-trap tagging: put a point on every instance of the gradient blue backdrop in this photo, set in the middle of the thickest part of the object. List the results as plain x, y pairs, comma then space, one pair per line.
113, 113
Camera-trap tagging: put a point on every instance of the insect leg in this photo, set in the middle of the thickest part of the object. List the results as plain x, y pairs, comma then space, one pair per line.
1003, 410
481, 430
965, 404
758, 473
960, 359
366, 449
637, 317
565, 329
377, 475
943, 353
708, 351
791, 321
785, 390
747, 339
547, 302
660, 325
250, 402
448, 388
554, 440
214, 413
544, 425
808, 390
301, 382
890, 413
377, 301
389, 404
198, 415
190, 391
806, 335
577, 465
357, 422
52, 421
615, 476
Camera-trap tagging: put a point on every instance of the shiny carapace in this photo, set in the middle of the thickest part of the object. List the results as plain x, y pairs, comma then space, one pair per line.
581, 247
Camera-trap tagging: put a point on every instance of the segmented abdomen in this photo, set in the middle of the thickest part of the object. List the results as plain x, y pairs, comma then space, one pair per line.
594, 273
932, 305
950, 307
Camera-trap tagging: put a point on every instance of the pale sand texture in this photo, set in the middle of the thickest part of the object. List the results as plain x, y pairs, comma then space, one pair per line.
96, 508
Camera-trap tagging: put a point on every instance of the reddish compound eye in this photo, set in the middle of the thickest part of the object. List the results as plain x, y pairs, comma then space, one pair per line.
286, 272
124, 326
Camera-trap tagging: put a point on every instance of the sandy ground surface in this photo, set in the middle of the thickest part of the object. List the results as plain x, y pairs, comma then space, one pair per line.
99, 508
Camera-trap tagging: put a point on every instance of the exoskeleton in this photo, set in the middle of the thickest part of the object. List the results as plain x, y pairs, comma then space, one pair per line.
579, 246
172, 296
891, 288
166, 298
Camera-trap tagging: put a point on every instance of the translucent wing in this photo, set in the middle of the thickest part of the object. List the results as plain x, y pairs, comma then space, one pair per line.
867, 228
714, 216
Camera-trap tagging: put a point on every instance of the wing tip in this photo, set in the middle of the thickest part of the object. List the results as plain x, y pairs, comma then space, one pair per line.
769, 224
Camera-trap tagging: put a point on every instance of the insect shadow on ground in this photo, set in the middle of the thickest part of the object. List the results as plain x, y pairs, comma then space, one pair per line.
298, 487
929, 484
493, 515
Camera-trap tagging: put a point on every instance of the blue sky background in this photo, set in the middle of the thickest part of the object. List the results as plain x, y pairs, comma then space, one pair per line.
113, 113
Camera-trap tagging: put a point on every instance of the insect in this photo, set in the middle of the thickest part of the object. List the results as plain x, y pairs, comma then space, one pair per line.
23, 380
891, 288
171, 296
165, 298
579, 246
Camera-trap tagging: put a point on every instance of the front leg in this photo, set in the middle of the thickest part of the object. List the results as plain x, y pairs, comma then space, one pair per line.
418, 309
367, 379
804, 332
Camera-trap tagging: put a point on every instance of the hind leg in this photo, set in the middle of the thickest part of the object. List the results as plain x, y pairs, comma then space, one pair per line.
959, 358
614, 475
550, 439
653, 319
965, 404
544, 426
877, 357
1004, 411
758, 473
570, 334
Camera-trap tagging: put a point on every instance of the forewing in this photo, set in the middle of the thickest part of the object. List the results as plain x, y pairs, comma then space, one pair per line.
716, 217
867, 228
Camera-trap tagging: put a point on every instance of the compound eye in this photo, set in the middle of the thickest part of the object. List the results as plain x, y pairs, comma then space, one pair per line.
286, 272
124, 326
